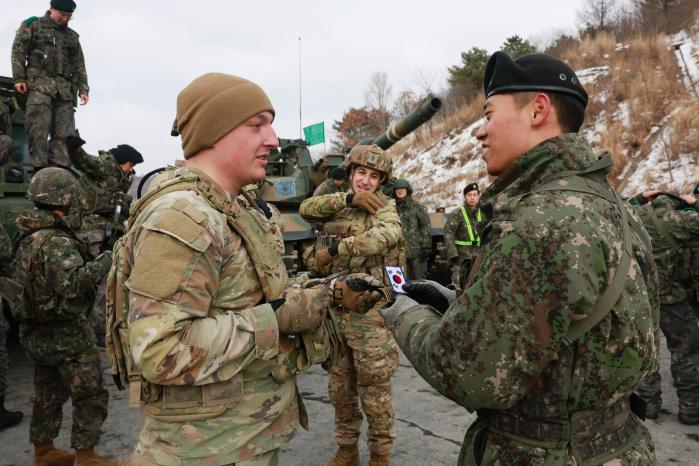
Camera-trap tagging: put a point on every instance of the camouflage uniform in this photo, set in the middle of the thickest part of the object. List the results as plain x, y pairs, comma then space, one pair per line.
551, 251
671, 231
462, 256
5, 133
366, 243
104, 185
49, 59
201, 331
329, 187
417, 231
55, 331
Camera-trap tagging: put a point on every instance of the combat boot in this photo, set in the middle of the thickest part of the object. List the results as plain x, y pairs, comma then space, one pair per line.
88, 457
9, 418
690, 419
347, 455
652, 410
379, 460
45, 454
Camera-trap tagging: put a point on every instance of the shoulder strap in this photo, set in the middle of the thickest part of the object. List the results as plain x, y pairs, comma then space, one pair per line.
184, 183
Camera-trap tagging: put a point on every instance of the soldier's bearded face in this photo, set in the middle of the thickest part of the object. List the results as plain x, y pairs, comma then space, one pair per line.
365, 180
243, 152
506, 133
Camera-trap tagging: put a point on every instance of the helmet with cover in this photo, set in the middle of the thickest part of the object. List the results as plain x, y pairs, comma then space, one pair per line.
53, 187
371, 156
403, 183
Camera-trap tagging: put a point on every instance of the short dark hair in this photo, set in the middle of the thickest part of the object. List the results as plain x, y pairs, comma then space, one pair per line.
569, 109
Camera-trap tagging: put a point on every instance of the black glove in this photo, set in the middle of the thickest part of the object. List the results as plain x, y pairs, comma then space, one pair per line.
430, 293
74, 142
426, 252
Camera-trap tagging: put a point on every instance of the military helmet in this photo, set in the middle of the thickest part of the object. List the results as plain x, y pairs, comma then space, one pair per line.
53, 187
403, 183
373, 157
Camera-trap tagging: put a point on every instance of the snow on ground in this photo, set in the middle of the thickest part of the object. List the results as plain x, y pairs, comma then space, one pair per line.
686, 46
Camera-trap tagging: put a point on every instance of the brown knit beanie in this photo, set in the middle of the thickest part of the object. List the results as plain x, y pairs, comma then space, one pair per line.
212, 105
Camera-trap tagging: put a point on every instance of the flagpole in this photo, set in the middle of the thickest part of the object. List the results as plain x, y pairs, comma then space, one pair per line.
300, 124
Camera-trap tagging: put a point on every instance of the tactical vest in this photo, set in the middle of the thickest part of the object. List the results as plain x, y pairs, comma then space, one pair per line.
51, 51
576, 430
269, 266
473, 240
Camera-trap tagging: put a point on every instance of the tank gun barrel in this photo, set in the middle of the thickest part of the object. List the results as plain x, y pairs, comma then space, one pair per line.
425, 110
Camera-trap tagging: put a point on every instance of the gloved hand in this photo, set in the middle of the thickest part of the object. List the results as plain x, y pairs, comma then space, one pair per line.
400, 306
74, 142
303, 309
357, 292
430, 293
324, 257
367, 201
426, 252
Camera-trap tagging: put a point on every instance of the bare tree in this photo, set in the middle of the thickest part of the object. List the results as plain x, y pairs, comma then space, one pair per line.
597, 14
423, 80
378, 96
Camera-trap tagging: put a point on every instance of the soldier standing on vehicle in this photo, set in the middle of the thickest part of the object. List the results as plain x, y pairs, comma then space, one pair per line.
417, 229
58, 283
461, 234
557, 324
363, 230
105, 181
673, 224
199, 274
336, 183
49, 68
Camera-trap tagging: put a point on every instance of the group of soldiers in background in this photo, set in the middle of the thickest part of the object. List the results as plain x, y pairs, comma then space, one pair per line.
63, 253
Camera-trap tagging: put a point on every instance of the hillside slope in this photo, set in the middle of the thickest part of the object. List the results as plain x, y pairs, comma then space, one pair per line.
643, 109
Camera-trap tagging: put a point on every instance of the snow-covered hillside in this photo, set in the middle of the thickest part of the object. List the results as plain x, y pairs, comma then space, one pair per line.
661, 154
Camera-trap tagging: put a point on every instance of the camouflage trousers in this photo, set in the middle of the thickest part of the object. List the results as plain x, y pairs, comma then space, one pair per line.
270, 458
460, 269
364, 373
5, 149
4, 358
94, 238
417, 268
79, 379
681, 329
47, 116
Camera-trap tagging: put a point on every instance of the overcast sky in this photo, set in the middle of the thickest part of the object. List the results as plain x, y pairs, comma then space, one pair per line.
140, 54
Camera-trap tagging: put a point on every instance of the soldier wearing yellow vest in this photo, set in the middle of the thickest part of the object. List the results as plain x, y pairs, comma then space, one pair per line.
461, 234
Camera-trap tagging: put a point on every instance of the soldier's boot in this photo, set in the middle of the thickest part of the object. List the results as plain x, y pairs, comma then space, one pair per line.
9, 418
652, 410
690, 419
45, 454
88, 457
347, 455
379, 460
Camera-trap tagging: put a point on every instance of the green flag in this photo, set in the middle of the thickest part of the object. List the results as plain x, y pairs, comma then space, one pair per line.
314, 134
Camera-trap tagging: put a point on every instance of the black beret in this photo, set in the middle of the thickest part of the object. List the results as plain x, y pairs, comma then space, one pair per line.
532, 72
471, 187
125, 153
338, 173
64, 5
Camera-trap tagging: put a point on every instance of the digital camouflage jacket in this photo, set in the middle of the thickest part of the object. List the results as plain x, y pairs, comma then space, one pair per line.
60, 286
416, 226
366, 242
49, 59
501, 347
103, 182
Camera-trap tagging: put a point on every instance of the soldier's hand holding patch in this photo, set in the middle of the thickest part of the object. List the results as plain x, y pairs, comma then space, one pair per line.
303, 309
367, 201
430, 293
357, 292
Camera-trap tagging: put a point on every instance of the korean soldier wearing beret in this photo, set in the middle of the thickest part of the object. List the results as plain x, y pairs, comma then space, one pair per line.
557, 323
461, 234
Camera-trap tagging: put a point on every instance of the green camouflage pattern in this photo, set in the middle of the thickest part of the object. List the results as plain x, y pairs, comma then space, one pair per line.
201, 332
4, 357
54, 187
371, 156
546, 259
6, 145
329, 187
363, 375
62, 285
416, 226
461, 258
50, 60
104, 184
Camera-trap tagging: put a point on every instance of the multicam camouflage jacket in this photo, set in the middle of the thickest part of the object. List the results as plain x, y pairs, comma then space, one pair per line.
329, 187
48, 57
201, 329
59, 284
547, 256
672, 231
366, 242
417, 229
103, 182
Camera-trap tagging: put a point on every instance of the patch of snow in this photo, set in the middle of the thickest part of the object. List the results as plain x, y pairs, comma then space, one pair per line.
686, 50
589, 75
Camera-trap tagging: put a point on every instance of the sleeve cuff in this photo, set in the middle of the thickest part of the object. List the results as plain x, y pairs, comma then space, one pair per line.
266, 331
405, 324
